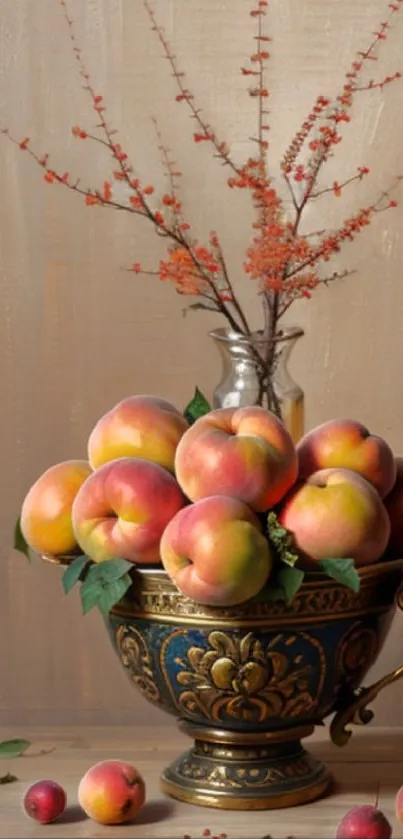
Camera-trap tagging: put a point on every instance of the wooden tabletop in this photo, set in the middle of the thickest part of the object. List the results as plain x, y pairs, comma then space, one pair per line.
372, 762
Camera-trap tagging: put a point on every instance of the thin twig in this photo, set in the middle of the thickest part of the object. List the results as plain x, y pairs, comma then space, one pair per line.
207, 132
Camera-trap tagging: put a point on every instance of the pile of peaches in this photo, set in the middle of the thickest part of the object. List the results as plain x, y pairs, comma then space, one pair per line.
196, 497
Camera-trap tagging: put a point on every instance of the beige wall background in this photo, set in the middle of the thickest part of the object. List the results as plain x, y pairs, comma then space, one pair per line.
78, 333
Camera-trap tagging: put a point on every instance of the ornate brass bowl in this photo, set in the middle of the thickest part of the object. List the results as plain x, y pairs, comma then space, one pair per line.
248, 683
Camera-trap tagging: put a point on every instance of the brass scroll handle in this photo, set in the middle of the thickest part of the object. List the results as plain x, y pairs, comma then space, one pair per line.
354, 710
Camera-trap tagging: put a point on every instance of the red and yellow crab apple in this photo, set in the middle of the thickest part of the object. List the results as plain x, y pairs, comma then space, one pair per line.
112, 792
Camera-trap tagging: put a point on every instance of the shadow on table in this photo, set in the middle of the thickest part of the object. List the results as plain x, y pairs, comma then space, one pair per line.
151, 813
363, 746
154, 811
72, 815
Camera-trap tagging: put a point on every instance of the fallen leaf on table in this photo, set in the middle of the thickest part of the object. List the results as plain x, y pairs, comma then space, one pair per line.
13, 748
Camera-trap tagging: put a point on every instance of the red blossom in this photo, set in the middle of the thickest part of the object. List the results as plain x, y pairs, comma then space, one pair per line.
24, 144
260, 56
200, 138
247, 72
136, 267
107, 191
118, 153
136, 202
78, 132
90, 200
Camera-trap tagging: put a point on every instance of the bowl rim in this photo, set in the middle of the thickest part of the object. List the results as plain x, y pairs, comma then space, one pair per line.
312, 578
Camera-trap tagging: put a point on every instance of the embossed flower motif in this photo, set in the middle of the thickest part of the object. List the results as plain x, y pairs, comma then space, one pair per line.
243, 679
243, 670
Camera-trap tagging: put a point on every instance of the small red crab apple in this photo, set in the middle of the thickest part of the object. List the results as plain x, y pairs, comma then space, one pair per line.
111, 792
365, 822
44, 801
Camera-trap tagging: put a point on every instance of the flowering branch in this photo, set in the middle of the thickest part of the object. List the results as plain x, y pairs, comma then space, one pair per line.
283, 263
200, 275
205, 133
337, 187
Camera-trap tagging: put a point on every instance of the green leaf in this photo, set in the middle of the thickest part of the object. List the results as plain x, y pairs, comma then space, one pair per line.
197, 407
114, 593
90, 593
73, 573
101, 587
283, 585
109, 570
13, 748
343, 571
281, 541
20, 542
290, 580
8, 779
270, 594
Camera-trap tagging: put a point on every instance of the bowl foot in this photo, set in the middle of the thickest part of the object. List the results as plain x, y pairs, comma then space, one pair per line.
236, 771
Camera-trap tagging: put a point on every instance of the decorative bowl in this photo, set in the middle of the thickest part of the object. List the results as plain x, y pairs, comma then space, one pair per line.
248, 683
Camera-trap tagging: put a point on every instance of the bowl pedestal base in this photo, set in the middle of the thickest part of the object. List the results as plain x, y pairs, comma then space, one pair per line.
246, 771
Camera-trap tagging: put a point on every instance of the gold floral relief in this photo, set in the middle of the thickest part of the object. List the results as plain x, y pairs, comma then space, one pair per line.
135, 657
357, 651
243, 777
246, 679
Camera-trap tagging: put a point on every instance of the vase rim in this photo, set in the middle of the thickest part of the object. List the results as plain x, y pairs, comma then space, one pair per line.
227, 335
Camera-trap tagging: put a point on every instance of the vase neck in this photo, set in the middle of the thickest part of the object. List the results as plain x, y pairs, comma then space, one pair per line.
236, 345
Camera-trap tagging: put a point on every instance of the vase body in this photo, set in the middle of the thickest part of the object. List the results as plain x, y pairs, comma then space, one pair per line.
245, 376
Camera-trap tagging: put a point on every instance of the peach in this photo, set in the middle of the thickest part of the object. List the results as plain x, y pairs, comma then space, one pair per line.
394, 508
245, 453
336, 514
348, 444
123, 508
399, 805
46, 510
215, 552
111, 792
139, 426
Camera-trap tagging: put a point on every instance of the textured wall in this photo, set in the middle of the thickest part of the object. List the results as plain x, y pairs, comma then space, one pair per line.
77, 333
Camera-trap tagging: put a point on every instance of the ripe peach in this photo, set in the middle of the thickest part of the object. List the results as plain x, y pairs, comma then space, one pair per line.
123, 508
336, 514
111, 792
215, 552
399, 805
46, 511
44, 801
364, 822
245, 453
139, 426
394, 508
347, 444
